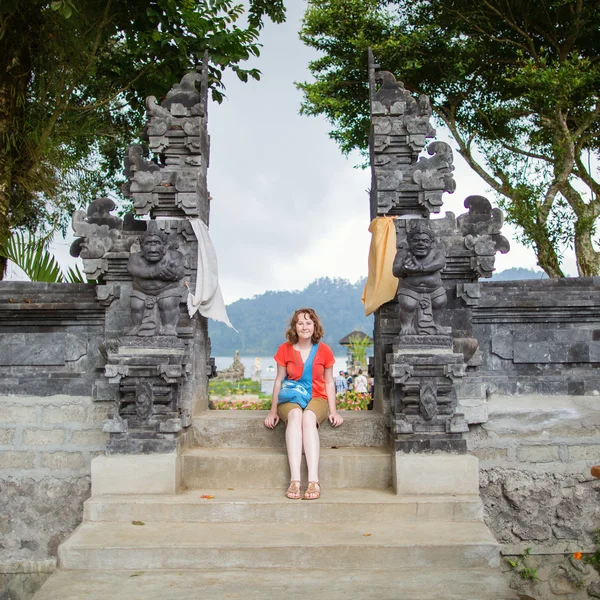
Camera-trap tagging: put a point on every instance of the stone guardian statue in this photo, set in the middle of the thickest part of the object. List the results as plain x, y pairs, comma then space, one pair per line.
157, 272
418, 266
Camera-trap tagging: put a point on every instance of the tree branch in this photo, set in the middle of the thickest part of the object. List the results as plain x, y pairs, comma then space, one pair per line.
109, 100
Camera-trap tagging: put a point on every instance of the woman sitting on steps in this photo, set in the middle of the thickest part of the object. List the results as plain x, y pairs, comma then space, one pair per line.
303, 395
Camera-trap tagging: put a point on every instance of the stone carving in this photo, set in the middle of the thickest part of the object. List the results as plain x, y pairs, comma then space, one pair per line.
154, 364
156, 294
392, 98
480, 228
143, 174
434, 175
418, 265
235, 371
174, 182
428, 400
186, 94
144, 400
401, 125
99, 233
147, 414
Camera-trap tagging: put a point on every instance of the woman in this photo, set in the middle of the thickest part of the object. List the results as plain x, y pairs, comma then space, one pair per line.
304, 349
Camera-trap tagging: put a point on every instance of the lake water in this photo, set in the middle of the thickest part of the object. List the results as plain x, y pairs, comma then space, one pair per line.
268, 365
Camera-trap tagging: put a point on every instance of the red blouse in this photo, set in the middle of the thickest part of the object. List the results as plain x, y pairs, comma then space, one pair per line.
291, 359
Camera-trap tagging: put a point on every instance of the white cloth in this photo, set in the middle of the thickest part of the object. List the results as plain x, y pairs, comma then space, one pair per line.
207, 299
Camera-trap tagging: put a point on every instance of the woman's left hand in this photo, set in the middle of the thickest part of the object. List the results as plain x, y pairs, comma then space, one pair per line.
336, 419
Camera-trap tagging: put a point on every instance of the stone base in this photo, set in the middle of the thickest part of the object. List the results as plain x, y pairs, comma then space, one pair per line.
405, 342
435, 474
427, 444
125, 443
136, 474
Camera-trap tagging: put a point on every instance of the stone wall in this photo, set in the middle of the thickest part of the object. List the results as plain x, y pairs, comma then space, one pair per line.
539, 336
50, 337
46, 445
535, 455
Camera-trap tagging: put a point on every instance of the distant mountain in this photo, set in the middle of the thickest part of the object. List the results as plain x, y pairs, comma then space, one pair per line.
262, 320
518, 273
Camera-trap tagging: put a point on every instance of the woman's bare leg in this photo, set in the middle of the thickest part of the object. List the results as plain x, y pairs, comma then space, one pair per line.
293, 442
312, 446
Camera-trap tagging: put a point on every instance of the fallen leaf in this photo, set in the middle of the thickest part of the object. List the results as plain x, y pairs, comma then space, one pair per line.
366, 534
27, 300
11, 300
230, 488
137, 574
207, 497
138, 523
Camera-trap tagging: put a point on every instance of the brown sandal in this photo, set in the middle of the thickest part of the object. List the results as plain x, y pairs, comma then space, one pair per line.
293, 491
313, 491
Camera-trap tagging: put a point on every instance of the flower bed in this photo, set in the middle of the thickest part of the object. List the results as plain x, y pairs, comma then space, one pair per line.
345, 401
352, 401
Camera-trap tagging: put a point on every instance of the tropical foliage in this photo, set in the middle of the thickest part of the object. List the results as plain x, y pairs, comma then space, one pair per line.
74, 75
33, 257
515, 81
359, 345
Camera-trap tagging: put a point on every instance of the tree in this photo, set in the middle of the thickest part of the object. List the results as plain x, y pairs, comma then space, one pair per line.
358, 346
515, 81
74, 76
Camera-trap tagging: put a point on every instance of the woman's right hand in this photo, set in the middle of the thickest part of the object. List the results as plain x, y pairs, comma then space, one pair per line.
272, 420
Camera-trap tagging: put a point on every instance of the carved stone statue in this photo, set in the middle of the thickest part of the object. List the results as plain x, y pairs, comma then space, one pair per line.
420, 291
157, 271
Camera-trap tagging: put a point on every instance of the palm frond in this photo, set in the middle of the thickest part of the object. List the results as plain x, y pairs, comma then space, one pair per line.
32, 256
74, 275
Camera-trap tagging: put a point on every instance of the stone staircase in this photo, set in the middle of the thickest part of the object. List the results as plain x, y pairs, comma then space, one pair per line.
231, 533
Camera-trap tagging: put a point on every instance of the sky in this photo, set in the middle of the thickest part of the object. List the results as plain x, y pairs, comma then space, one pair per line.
287, 206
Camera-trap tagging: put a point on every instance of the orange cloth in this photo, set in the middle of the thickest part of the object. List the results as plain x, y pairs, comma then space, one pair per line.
381, 286
291, 359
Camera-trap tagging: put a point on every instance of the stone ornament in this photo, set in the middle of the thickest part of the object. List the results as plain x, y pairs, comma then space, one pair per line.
157, 271
400, 127
173, 183
101, 236
418, 265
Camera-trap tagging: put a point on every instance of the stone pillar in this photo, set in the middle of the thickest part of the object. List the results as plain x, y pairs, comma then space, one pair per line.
157, 359
425, 357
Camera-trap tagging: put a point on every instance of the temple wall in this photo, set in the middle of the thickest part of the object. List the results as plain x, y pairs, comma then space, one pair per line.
535, 454
50, 338
50, 426
539, 336
46, 446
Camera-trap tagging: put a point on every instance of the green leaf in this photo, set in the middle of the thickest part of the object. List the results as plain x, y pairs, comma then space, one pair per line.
32, 257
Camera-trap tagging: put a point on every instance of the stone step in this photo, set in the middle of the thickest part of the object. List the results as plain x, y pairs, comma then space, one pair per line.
345, 546
270, 505
246, 429
268, 468
255, 584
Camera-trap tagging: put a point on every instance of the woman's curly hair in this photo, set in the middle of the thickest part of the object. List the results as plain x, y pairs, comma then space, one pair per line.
292, 335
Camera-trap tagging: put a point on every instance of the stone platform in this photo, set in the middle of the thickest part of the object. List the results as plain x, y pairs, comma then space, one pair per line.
231, 533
